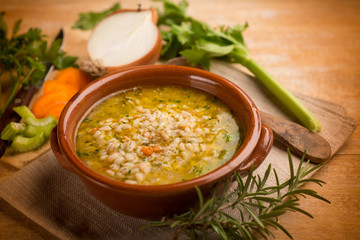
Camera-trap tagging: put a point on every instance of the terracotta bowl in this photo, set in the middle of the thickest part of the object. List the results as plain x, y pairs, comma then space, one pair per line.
153, 202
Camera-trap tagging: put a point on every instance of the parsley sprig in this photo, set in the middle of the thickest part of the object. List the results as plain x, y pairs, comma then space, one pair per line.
199, 43
257, 204
23, 57
87, 21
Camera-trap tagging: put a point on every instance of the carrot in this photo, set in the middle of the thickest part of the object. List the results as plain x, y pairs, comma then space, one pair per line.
44, 104
147, 150
74, 77
56, 109
57, 92
55, 86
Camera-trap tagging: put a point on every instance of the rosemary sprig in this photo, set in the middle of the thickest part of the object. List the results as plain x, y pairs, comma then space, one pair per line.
257, 204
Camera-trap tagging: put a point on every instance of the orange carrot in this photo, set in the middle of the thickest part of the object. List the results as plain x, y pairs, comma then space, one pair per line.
56, 109
55, 86
44, 104
74, 77
59, 91
147, 150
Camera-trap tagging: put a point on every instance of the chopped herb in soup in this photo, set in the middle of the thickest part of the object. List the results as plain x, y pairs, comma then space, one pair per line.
154, 136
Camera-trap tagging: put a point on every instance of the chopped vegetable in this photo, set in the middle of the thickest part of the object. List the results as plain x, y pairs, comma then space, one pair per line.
45, 103
73, 78
23, 112
147, 151
56, 109
11, 130
25, 144
199, 43
56, 86
40, 122
29, 135
59, 91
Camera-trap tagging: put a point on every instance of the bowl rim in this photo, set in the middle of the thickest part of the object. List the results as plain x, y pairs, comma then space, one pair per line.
67, 148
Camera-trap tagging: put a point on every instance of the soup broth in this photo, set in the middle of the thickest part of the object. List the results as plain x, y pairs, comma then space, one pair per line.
162, 135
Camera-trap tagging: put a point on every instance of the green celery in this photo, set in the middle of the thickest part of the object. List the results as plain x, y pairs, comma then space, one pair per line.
25, 144
11, 130
199, 43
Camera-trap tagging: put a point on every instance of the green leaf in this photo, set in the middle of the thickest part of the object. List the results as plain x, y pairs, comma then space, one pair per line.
54, 50
65, 62
16, 28
254, 216
87, 21
195, 56
183, 32
200, 196
301, 211
219, 230
3, 26
203, 208
236, 32
214, 49
36, 77
272, 214
278, 225
172, 13
172, 47
267, 199
228, 137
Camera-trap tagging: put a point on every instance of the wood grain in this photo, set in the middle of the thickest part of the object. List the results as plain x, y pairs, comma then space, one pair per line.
298, 139
310, 46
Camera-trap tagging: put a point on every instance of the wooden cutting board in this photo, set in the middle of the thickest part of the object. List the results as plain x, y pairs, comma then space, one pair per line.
337, 126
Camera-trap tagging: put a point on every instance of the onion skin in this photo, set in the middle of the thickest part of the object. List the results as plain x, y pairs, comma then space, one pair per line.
152, 56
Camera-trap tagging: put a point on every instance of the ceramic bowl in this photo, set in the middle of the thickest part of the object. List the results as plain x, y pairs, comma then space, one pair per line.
152, 202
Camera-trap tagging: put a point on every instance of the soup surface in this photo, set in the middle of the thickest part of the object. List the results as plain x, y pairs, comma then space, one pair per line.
154, 136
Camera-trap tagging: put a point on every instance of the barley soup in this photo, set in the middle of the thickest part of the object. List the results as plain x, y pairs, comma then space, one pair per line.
160, 135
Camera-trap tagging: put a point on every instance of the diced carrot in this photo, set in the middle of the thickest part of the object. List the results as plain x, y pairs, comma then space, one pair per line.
147, 150
44, 104
74, 77
56, 109
55, 86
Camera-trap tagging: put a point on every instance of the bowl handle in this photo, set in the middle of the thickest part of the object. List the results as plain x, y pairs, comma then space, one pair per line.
261, 150
57, 151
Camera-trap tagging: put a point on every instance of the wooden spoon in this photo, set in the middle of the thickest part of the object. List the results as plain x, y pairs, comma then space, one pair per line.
297, 138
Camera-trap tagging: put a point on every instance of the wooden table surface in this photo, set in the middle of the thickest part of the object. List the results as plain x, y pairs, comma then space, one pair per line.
310, 46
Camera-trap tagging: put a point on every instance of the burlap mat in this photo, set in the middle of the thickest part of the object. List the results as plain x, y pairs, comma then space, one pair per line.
57, 200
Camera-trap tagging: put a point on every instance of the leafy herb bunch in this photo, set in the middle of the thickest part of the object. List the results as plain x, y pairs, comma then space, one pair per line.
257, 204
199, 43
24, 57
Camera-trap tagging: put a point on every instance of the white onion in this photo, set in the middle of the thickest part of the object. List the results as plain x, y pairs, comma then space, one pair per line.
126, 38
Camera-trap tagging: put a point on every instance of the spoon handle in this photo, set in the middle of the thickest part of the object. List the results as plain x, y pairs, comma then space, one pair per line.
298, 138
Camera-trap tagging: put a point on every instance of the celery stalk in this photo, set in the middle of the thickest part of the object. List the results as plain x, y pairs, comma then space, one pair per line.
287, 98
199, 43
11, 130
25, 144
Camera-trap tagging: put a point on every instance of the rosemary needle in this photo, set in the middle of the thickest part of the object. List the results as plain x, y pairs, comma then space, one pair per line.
257, 204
